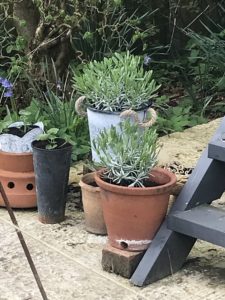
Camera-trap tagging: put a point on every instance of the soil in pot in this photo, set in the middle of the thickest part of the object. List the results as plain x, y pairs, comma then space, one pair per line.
146, 183
19, 131
133, 215
60, 144
92, 204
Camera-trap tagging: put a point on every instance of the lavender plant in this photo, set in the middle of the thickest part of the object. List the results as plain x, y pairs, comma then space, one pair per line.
128, 154
116, 83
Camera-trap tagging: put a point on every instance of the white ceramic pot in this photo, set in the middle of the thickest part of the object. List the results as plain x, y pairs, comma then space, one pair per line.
98, 120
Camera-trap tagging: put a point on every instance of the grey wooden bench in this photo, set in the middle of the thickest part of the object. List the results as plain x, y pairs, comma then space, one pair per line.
191, 217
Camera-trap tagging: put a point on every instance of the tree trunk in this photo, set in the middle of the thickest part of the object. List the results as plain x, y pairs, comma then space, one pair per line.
26, 10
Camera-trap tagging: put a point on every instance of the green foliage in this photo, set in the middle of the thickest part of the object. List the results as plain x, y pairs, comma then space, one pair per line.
94, 29
53, 104
129, 154
5, 123
59, 113
29, 116
12, 47
64, 31
60, 121
52, 137
109, 26
32, 113
176, 118
198, 75
56, 112
206, 67
117, 83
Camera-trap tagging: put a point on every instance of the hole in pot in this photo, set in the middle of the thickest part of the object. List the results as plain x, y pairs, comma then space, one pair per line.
11, 185
124, 245
30, 186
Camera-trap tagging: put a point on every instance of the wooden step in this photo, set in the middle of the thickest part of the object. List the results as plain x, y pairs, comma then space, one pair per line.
216, 148
203, 222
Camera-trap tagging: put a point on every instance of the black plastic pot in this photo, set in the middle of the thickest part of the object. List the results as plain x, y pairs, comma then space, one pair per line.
51, 168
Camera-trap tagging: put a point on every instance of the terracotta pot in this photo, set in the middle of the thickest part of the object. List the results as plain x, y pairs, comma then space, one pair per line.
17, 177
133, 215
92, 204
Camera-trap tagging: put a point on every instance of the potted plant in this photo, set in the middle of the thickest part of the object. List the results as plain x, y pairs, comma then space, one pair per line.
115, 88
134, 192
92, 203
51, 158
16, 159
16, 164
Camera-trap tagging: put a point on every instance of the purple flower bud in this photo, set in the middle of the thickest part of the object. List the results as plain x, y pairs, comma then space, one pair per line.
1, 79
6, 84
8, 94
59, 86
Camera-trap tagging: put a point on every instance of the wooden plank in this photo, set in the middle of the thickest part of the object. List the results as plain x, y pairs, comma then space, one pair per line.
206, 183
169, 250
204, 222
164, 257
216, 150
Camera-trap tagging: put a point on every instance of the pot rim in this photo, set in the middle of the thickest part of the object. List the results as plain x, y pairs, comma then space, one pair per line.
87, 186
108, 112
15, 153
160, 189
67, 146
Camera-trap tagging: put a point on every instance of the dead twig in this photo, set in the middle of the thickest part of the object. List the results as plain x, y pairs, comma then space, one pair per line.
23, 243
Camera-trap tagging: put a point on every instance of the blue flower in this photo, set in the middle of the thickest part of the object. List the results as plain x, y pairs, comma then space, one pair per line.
1, 79
6, 83
8, 94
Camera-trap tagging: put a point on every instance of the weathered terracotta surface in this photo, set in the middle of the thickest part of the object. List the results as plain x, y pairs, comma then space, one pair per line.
17, 177
92, 204
133, 215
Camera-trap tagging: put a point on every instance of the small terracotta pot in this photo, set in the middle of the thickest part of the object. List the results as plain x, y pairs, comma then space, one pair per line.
92, 204
18, 180
133, 215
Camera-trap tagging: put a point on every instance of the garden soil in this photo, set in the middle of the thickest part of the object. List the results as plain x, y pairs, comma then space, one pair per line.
68, 259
